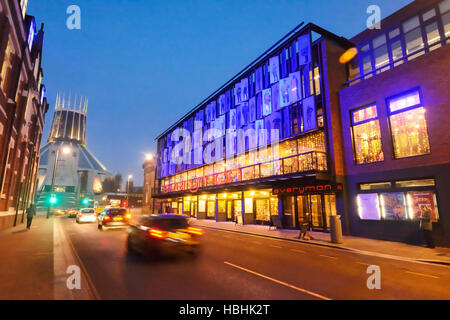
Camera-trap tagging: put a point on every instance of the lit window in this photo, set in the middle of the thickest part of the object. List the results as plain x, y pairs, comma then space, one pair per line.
397, 52
433, 36
413, 37
415, 183
366, 135
408, 125
446, 24
375, 185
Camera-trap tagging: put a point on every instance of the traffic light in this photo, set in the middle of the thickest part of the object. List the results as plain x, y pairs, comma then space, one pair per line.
85, 201
52, 199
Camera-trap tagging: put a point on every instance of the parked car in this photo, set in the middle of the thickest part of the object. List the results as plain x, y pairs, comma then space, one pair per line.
114, 217
164, 234
86, 215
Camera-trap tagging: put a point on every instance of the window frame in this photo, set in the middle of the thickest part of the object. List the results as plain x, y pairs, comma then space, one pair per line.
389, 114
353, 124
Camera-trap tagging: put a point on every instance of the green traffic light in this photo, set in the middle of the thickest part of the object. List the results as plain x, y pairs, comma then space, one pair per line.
53, 199
85, 201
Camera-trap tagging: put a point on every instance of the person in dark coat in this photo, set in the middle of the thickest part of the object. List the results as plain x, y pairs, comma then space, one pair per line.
426, 225
31, 211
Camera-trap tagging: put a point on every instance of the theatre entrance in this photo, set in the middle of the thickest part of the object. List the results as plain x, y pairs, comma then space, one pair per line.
317, 208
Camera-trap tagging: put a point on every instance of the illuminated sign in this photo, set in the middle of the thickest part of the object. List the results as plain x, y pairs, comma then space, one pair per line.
307, 189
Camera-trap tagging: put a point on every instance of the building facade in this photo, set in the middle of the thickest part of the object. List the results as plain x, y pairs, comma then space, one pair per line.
149, 204
266, 144
22, 108
298, 136
395, 119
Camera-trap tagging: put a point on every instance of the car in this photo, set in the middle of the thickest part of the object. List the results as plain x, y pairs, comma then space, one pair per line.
60, 212
164, 234
86, 215
73, 213
116, 217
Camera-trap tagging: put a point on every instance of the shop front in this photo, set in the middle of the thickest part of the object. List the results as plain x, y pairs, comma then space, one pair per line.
308, 204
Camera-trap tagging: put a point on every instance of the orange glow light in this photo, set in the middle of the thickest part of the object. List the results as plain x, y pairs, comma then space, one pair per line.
348, 55
196, 231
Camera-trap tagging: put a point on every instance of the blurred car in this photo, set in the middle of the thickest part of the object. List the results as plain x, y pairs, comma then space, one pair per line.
86, 215
164, 234
60, 212
114, 217
73, 213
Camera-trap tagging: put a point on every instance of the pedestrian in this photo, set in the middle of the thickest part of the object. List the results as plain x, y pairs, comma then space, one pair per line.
426, 225
31, 211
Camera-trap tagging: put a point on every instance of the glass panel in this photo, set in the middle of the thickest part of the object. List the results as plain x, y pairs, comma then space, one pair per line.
262, 209
317, 80
248, 173
422, 203
305, 162
397, 52
288, 148
409, 133
410, 24
394, 33
221, 206
211, 209
274, 206
444, 6
381, 58
432, 35
363, 114
316, 211
368, 206
404, 101
266, 169
302, 209
429, 14
375, 185
312, 142
367, 66
378, 41
414, 42
353, 69
415, 183
364, 48
330, 207
367, 142
393, 206
248, 205
290, 165
446, 24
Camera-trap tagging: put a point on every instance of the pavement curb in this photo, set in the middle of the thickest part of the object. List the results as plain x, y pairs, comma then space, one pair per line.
64, 256
365, 252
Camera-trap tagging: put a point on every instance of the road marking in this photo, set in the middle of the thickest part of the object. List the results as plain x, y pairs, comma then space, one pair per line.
278, 281
299, 251
322, 255
273, 246
422, 274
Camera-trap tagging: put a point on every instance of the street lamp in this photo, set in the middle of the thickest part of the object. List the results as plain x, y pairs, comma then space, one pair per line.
148, 156
64, 150
130, 176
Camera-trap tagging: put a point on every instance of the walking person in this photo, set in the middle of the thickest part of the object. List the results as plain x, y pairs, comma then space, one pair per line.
426, 225
31, 211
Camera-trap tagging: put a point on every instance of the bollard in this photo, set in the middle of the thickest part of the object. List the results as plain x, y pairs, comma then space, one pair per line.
336, 229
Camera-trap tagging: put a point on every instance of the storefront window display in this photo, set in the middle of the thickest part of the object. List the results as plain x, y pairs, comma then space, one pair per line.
408, 125
366, 135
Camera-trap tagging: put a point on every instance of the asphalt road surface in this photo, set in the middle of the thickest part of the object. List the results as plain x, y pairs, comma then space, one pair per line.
239, 266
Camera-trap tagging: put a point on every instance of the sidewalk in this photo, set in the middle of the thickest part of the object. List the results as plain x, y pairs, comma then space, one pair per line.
33, 263
386, 249
26, 261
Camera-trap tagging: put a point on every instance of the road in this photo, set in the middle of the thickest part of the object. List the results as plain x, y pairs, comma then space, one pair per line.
239, 266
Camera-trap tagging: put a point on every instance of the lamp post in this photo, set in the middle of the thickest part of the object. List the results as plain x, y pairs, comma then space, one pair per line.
65, 150
130, 176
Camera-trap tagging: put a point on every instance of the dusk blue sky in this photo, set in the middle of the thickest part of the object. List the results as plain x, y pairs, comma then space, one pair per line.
143, 64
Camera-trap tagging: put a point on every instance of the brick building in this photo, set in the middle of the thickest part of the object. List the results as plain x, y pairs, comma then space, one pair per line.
395, 120
22, 108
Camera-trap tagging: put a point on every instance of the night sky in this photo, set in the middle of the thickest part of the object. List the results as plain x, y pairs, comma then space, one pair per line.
143, 64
